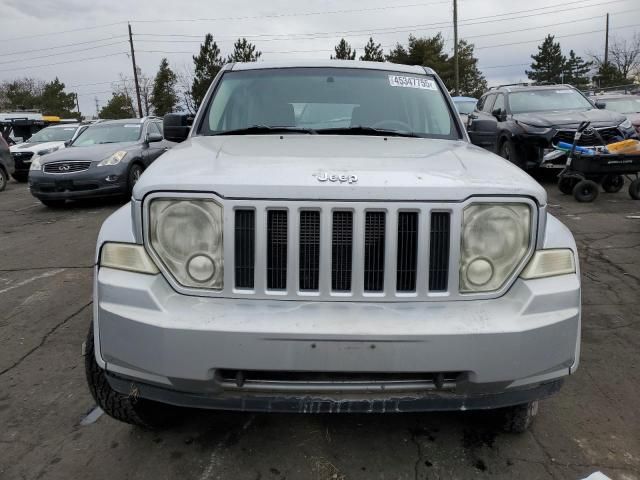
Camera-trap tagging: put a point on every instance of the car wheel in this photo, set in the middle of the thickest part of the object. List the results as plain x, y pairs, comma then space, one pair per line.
612, 183
20, 177
3, 179
508, 152
126, 408
566, 184
518, 419
134, 175
586, 191
53, 203
634, 189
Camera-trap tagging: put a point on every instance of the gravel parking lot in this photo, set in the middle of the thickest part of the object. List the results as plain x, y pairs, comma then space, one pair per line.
45, 297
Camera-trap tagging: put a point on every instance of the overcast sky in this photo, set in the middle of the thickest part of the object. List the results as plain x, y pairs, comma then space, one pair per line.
98, 51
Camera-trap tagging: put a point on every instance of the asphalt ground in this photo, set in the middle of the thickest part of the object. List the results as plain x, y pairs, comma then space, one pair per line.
45, 309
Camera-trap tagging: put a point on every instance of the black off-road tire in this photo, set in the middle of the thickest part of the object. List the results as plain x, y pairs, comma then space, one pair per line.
20, 177
634, 189
566, 184
4, 178
586, 191
509, 152
126, 408
612, 183
518, 419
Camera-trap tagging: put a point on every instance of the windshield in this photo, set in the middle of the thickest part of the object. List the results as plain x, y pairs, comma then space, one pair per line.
53, 134
623, 105
317, 99
114, 133
548, 100
465, 107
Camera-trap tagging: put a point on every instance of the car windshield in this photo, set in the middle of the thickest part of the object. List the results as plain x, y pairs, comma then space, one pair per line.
623, 105
547, 100
53, 134
328, 100
109, 133
465, 107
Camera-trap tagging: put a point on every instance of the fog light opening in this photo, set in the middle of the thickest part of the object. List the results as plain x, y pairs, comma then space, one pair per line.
479, 271
201, 268
112, 178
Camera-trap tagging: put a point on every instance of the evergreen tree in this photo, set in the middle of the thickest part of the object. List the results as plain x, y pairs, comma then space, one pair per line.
576, 70
244, 51
426, 51
21, 94
343, 51
548, 64
372, 52
472, 81
207, 65
609, 76
54, 101
119, 106
398, 55
163, 95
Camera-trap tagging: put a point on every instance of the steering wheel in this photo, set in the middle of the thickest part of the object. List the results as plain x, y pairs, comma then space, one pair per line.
381, 123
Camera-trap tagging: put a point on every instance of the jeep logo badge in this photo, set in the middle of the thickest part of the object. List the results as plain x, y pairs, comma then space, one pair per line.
332, 177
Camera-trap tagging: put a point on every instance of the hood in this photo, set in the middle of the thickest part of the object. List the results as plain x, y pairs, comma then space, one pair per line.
36, 147
571, 118
288, 166
92, 153
633, 117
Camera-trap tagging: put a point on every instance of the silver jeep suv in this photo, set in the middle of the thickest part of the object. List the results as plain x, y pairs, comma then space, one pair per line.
326, 239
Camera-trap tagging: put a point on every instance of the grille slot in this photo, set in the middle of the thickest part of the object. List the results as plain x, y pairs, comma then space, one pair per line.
407, 251
341, 251
374, 236
439, 252
245, 248
589, 139
66, 167
277, 249
309, 270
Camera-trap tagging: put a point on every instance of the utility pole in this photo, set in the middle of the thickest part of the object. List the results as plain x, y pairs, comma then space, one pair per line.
97, 107
455, 48
78, 106
135, 71
606, 43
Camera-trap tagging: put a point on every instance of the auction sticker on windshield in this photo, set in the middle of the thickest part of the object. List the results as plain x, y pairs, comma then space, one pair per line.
412, 82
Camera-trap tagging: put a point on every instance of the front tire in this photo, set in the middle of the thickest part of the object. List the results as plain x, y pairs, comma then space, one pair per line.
4, 178
125, 408
518, 419
508, 152
566, 184
612, 183
586, 191
21, 177
634, 189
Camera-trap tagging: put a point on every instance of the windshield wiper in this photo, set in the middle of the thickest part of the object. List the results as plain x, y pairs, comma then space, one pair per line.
361, 130
266, 129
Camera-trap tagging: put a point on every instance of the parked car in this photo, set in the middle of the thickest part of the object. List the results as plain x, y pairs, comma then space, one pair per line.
6, 163
627, 105
383, 266
464, 106
531, 119
106, 159
43, 142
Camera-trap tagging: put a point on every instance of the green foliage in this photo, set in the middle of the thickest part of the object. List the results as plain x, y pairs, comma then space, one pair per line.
244, 51
576, 71
609, 76
30, 94
119, 106
548, 64
471, 82
54, 101
425, 51
343, 51
207, 65
163, 94
372, 52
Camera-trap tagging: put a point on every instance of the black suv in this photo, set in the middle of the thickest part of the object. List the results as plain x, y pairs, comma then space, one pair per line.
531, 119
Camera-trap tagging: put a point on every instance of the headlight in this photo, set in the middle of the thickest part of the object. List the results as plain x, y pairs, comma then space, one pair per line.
114, 159
35, 163
533, 129
626, 124
47, 150
549, 263
187, 237
495, 239
127, 256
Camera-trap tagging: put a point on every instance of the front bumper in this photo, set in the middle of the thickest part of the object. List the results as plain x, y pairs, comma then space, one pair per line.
91, 183
162, 345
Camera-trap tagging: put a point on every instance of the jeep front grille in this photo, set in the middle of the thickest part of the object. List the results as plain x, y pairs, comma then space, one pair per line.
341, 252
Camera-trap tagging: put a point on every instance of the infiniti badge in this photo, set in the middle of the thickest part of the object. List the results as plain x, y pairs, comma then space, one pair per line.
63, 168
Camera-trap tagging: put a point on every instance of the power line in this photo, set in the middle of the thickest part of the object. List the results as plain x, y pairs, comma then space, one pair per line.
61, 63
61, 32
62, 53
62, 46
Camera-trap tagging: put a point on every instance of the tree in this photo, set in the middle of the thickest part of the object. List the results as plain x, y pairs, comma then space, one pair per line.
548, 63
609, 76
244, 51
624, 57
343, 51
398, 55
164, 98
21, 94
372, 52
576, 71
118, 106
54, 101
426, 51
207, 65
472, 81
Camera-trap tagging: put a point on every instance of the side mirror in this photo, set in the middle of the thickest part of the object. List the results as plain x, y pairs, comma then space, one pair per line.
500, 114
153, 137
600, 104
176, 126
67, 143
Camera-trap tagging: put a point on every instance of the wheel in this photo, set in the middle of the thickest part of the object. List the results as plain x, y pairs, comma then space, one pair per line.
3, 179
134, 175
518, 419
53, 203
634, 189
612, 183
566, 184
20, 177
508, 152
126, 408
586, 191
